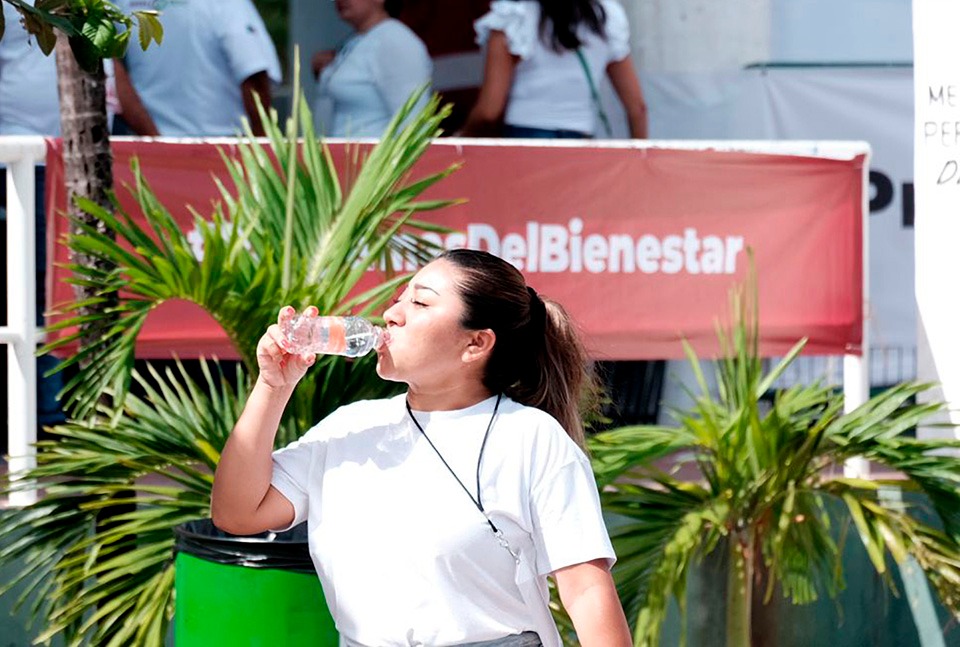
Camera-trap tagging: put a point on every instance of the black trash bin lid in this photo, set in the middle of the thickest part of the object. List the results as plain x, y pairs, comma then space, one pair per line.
287, 550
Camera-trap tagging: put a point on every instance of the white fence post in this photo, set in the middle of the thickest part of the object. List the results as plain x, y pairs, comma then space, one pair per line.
21, 333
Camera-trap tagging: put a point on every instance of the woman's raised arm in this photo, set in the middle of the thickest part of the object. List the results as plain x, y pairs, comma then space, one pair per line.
243, 502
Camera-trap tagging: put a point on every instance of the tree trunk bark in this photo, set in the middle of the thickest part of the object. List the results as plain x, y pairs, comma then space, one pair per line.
87, 162
88, 171
740, 589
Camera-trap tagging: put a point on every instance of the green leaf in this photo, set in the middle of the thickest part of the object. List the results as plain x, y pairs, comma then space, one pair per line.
100, 31
117, 47
87, 54
782, 365
149, 28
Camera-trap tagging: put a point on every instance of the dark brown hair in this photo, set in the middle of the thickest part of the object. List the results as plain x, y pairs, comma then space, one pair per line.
538, 358
393, 7
560, 19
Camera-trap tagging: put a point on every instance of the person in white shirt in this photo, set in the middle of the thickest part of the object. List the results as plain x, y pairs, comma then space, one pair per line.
435, 517
28, 82
544, 61
363, 84
201, 80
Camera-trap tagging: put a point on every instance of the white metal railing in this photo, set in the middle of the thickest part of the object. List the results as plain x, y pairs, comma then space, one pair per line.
21, 334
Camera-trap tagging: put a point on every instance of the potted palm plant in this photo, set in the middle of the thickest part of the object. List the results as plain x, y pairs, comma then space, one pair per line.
287, 231
761, 477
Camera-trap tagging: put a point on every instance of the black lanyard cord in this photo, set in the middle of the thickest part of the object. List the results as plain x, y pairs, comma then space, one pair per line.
476, 500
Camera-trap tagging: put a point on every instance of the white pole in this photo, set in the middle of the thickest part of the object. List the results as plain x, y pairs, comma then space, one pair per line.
21, 324
856, 391
856, 373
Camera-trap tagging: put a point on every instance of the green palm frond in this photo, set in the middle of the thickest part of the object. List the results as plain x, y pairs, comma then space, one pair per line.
760, 481
804, 530
626, 450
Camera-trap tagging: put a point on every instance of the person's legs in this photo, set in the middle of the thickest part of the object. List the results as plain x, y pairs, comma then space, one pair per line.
40, 230
49, 410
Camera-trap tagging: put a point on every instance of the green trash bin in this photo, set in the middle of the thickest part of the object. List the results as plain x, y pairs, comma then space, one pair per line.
247, 591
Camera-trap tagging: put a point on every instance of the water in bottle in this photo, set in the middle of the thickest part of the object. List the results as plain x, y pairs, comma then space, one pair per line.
349, 336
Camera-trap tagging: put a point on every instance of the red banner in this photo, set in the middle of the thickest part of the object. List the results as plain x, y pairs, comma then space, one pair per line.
640, 244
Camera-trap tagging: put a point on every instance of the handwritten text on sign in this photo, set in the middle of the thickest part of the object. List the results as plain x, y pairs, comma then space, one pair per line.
943, 129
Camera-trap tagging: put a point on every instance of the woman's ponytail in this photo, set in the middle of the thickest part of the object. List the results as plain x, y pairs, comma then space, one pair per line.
538, 359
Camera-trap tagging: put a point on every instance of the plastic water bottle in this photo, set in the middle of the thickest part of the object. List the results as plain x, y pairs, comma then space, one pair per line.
349, 336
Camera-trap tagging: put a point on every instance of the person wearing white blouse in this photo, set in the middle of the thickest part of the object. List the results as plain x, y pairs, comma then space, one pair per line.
364, 83
544, 61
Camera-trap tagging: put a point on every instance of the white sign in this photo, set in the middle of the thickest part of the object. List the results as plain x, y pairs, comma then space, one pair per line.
937, 192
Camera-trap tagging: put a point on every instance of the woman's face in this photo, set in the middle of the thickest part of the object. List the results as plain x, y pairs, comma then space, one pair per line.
427, 344
359, 12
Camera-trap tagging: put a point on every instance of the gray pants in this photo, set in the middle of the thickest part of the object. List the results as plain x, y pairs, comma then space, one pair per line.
526, 639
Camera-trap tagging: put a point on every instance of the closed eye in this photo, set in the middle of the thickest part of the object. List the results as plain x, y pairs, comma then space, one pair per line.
419, 304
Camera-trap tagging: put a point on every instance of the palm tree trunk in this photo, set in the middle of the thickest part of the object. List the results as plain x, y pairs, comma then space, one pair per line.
740, 589
88, 173
87, 161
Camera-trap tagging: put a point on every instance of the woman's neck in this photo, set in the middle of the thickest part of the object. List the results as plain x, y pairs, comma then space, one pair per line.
446, 398
372, 21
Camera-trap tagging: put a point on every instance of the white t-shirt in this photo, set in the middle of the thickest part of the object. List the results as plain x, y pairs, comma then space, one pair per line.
29, 104
190, 83
550, 89
404, 555
372, 76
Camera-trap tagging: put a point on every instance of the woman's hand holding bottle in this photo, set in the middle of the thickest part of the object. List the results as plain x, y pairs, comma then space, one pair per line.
279, 368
